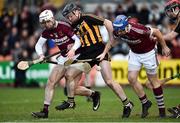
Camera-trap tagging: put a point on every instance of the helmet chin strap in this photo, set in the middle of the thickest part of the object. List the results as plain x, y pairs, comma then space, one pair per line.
127, 28
177, 14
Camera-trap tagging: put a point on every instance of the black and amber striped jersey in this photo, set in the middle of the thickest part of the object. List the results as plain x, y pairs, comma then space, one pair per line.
87, 28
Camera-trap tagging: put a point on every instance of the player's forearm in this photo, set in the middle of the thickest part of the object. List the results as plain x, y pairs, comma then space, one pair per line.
160, 38
77, 42
107, 48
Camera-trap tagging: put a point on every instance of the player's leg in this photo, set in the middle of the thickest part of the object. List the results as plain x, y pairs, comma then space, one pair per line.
134, 67
116, 87
162, 82
90, 79
87, 84
71, 73
138, 88
151, 64
149, 85
158, 92
55, 76
83, 91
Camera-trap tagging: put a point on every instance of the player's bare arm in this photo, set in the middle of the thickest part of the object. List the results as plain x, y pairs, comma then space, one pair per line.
76, 45
160, 39
111, 42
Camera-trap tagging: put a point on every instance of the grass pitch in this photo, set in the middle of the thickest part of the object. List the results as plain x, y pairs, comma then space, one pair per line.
16, 105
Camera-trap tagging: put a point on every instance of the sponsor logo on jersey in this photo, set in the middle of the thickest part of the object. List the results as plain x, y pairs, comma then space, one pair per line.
62, 40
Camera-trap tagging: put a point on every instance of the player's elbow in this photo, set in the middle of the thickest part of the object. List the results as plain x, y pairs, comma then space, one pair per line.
108, 24
157, 32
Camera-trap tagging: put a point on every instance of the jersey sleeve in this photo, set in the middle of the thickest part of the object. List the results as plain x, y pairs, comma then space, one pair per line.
94, 20
145, 31
177, 29
141, 30
149, 31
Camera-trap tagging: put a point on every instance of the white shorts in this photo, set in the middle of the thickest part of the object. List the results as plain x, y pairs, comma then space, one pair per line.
149, 60
61, 59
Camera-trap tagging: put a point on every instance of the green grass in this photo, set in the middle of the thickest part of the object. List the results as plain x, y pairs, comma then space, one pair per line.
16, 105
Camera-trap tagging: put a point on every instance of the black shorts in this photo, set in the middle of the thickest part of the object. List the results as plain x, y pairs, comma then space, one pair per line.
92, 52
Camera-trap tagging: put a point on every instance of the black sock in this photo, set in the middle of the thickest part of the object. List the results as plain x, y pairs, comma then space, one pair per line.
70, 99
143, 99
88, 87
126, 102
92, 94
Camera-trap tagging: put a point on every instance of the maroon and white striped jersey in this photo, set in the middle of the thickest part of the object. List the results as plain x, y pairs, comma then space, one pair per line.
61, 35
139, 38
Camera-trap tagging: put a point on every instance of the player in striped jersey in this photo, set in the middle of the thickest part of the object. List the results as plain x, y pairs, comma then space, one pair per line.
87, 27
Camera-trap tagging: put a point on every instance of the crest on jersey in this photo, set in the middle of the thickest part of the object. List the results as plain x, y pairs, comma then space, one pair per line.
60, 33
56, 35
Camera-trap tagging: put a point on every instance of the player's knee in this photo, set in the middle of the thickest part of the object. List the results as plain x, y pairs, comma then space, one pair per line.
69, 76
50, 83
132, 79
154, 82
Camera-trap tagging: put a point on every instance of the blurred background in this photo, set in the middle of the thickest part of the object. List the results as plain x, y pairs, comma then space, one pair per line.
20, 30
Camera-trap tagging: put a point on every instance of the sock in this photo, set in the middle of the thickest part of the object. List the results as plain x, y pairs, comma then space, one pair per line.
88, 87
46, 107
158, 92
143, 99
126, 102
70, 99
92, 94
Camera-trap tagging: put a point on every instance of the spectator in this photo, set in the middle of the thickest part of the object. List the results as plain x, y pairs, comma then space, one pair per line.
13, 37
144, 14
119, 10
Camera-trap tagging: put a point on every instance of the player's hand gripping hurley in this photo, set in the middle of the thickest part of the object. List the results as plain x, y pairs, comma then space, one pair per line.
23, 65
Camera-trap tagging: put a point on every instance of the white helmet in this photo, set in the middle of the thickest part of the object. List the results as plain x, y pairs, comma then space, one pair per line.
46, 15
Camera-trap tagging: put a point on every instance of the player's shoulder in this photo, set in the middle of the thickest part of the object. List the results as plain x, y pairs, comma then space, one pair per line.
138, 28
91, 16
87, 15
64, 23
137, 25
45, 33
